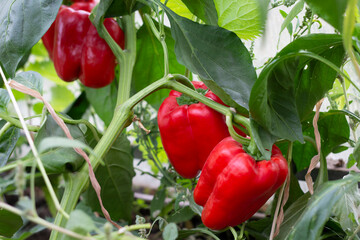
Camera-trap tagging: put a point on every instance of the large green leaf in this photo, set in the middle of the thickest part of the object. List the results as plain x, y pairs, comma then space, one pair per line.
22, 24
115, 179
217, 56
347, 209
241, 17
334, 131
9, 223
289, 87
103, 100
331, 11
149, 65
58, 160
319, 208
7, 142
203, 9
30, 79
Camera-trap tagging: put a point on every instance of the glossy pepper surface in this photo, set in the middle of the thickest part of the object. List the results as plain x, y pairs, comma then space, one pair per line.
233, 186
77, 50
190, 132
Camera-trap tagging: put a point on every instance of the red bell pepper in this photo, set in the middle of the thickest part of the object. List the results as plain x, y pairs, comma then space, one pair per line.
76, 48
190, 132
233, 186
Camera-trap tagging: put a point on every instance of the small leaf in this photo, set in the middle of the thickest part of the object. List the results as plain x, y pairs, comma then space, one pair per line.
196, 208
217, 56
30, 79
158, 202
22, 24
182, 215
240, 17
292, 14
10, 223
355, 156
170, 232
4, 100
263, 139
103, 100
8, 142
54, 142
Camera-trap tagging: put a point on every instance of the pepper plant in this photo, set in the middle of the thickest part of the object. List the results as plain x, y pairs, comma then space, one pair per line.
74, 148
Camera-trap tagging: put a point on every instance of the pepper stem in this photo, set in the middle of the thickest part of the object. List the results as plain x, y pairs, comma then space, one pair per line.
234, 134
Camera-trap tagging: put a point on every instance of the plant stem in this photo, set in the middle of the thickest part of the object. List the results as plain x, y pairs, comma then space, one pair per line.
43, 222
81, 121
128, 63
17, 123
232, 230
5, 128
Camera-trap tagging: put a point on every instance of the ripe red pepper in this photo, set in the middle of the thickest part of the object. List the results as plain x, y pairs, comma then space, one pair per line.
76, 48
190, 132
233, 186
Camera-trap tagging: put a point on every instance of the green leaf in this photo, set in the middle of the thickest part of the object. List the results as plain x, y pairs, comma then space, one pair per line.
289, 26
61, 97
78, 108
122, 7
4, 100
331, 11
217, 56
263, 139
182, 215
30, 79
241, 17
79, 222
346, 210
292, 14
22, 24
158, 202
291, 84
57, 159
355, 156
103, 100
54, 142
319, 208
10, 223
180, 8
196, 208
203, 9
46, 68
8, 142
170, 232
149, 65
115, 179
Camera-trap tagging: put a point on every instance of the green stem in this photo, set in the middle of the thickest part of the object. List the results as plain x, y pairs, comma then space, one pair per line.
234, 134
242, 231
43, 222
160, 35
127, 65
347, 104
233, 233
17, 123
82, 121
5, 128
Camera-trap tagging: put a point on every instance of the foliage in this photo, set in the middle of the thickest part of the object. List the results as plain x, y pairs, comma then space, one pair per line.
217, 42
